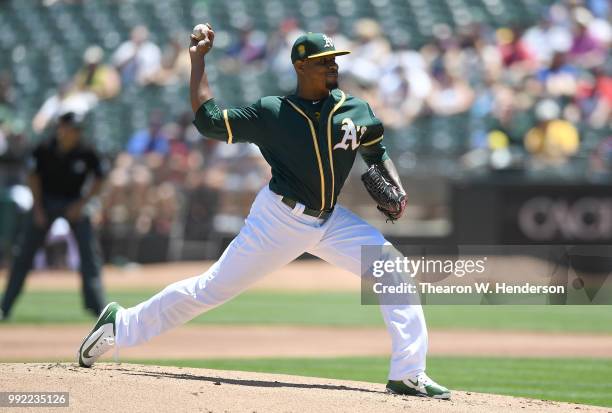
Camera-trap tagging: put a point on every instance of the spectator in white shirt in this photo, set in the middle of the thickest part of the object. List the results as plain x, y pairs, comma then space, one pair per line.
138, 59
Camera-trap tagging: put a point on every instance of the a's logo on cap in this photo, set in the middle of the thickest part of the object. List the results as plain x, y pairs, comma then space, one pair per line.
301, 50
328, 41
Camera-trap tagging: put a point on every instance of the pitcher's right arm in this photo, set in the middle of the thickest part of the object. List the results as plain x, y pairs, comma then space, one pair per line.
229, 125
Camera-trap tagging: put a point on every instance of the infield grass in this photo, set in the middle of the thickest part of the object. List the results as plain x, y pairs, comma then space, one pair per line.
328, 309
586, 381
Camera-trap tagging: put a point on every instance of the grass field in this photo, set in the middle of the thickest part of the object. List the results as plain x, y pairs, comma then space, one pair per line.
329, 309
572, 380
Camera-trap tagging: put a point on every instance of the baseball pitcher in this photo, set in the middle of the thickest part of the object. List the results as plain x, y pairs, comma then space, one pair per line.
310, 139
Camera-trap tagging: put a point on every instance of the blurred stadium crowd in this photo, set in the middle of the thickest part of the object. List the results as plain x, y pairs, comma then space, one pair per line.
461, 85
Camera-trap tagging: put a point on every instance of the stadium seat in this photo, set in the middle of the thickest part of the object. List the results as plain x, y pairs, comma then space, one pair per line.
65, 29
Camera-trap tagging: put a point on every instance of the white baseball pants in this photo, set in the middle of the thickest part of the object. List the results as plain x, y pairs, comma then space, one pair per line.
275, 235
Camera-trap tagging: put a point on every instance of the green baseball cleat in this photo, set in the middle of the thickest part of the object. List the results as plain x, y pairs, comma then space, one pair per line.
419, 385
101, 338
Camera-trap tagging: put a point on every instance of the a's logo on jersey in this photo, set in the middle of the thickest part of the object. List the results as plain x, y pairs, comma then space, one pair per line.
328, 41
350, 135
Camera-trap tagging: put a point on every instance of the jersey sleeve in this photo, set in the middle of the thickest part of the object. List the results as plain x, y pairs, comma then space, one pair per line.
371, 148
99, 165
374, 131
33, 162
374, 153
230, 125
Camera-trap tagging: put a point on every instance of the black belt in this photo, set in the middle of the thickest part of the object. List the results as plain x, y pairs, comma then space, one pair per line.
325, 214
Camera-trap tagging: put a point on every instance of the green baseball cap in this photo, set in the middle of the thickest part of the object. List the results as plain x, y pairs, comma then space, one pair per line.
311, 45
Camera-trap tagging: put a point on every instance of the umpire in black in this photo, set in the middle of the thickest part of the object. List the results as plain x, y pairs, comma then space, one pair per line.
59, 179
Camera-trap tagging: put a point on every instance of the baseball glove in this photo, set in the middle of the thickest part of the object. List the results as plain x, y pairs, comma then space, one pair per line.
390, 199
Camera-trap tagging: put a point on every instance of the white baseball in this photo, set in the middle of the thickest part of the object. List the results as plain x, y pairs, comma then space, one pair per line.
200, 32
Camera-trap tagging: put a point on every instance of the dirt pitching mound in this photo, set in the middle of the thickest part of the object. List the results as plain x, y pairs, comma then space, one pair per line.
110, 387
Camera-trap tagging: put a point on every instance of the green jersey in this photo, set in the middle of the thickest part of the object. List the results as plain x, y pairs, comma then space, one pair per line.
310, 147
